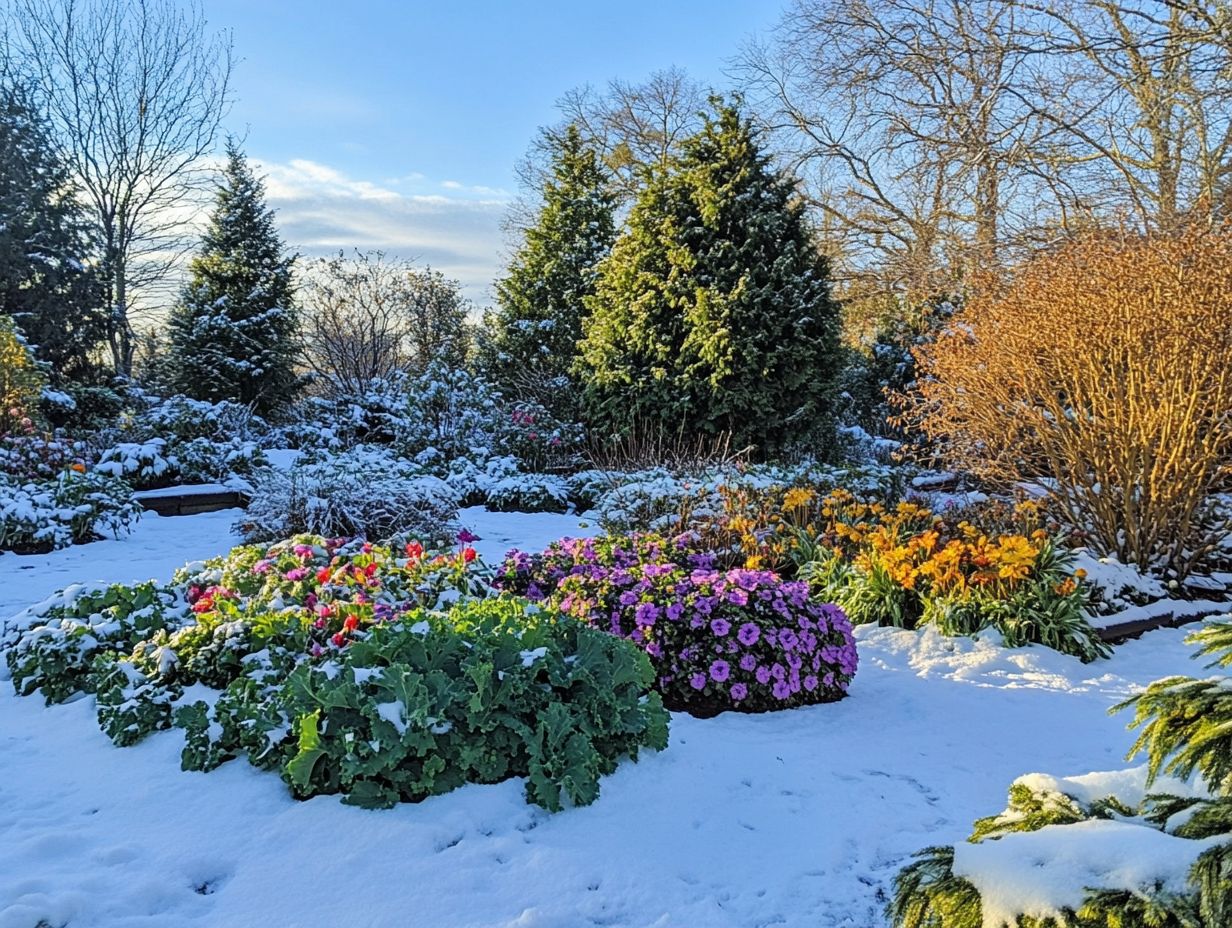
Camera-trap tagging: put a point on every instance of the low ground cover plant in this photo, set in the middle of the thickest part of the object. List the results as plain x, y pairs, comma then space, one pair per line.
1149, 847
737, 639
380, 673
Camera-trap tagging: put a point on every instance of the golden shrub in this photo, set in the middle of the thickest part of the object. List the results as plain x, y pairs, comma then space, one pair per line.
1102, 371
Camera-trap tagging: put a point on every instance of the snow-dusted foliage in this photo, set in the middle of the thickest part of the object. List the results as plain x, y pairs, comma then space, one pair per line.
658, 499
529, 493
42, 515
181, 440
365, 491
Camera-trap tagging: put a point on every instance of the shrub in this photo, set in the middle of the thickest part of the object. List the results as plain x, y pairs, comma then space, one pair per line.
741, 639
1102, 372
21, 382
1123, 849
365, 491
72, 508
529, 493
348, 667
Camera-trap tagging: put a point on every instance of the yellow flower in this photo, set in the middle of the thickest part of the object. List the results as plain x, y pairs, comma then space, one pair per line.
797, 497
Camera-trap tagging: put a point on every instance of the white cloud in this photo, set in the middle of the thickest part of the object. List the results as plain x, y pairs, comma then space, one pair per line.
322, 210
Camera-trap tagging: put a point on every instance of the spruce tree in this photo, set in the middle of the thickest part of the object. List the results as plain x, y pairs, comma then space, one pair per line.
713, 313
233, 333
531, 341
47, 284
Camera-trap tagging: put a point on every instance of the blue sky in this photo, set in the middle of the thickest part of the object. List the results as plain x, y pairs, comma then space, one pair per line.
398, 125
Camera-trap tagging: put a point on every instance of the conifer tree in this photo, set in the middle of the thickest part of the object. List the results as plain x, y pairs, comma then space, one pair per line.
233, 333
532, 337
47, 284
713, 312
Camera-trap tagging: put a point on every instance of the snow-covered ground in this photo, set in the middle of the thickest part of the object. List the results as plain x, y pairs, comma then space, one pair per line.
798, 818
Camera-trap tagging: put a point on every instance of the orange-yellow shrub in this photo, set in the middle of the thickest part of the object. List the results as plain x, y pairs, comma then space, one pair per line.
1102, 371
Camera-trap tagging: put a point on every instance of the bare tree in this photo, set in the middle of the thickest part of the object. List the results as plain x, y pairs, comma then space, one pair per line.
632, 126
368, 318
1140, 96
136, 89
904, 118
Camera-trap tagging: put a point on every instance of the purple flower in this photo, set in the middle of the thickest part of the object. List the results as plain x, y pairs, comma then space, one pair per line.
788, 639
697, 681
296, 574
719, 671
810, 683
647, 614
748, 634
781, 690
466, 536
738, 596
675, 611
763, 675
739, 691
748, 662
720, 627
628, 598
262, 566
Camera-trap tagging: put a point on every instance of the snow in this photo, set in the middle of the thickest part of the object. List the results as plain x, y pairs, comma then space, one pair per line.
1129, 786
798, 818
1040, 873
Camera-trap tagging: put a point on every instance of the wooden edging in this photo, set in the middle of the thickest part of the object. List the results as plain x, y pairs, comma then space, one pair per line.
1123, 630
189, 504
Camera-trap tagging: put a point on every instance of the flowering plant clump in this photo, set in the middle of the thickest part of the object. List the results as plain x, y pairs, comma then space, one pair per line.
383, 672
737, 639
905, 566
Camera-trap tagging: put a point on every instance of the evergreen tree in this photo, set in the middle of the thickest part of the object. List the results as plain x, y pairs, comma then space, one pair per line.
532, 337
47, 285
232, 336
713, 312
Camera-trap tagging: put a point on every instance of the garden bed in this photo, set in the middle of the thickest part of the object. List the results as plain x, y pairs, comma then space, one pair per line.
191, 499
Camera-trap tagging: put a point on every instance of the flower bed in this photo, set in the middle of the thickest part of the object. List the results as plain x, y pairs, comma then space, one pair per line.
350, 668
740, 639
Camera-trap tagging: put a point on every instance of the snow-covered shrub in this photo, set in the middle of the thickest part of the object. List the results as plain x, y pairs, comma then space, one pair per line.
144, 465
452, 414
586, 486
232, 462
375, 414
72, 508
743, 640
365, 491
473, 480
384, 674
1148, 847
184, 418
529, 493
539, 441
26, 457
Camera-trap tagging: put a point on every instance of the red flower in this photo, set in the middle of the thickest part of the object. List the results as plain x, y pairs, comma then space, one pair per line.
414, 550
351, 623
370, 570
339, 640
324, 574
468, 554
